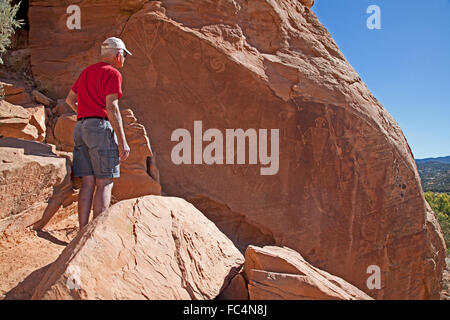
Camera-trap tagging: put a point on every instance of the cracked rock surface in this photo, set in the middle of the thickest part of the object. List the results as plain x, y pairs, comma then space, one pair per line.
150, 247
347, 194
276, 273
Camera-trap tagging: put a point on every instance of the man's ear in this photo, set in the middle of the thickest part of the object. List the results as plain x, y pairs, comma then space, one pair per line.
117, 60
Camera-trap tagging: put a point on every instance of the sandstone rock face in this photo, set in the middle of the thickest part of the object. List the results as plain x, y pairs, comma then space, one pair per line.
347, 193
30, 175
63, 131
23, 123
151, 247
99, 20
134, 180
276, 273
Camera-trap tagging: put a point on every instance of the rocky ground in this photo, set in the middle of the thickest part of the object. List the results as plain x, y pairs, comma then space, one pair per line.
26, 254
445, 293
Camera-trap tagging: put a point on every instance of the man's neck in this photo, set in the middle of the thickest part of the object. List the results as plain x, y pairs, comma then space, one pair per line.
109, 62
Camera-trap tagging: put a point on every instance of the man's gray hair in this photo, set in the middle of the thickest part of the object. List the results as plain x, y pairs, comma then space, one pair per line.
109, 52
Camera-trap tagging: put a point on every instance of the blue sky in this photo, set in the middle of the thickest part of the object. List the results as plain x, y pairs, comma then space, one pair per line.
405, 64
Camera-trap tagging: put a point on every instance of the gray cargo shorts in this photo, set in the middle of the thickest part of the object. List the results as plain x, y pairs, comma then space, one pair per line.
95, 151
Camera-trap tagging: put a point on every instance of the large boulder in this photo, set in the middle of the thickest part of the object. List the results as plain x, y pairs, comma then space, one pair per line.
347, 194
275, 273
31, 175
151, 247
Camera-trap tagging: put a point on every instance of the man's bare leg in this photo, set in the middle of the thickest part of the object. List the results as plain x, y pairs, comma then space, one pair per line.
102, 197
85, 200
53, 205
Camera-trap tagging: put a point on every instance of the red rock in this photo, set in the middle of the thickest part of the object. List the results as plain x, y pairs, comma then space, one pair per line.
11, 88
276, 273
19, 99
49, 137
134, 180
49, 113
9, 111
236, 290
150, 247
38, 116
41, 98
62, 107
23, 166
25, 254
15, 122
347, 194
307, 3
63, 131
102, 18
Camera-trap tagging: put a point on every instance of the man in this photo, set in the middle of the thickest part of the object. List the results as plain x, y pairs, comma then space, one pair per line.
99, 138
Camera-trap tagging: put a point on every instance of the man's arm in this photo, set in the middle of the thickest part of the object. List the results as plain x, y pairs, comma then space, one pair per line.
112, 108
71, 100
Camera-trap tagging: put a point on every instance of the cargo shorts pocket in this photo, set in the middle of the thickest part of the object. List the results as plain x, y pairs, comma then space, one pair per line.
109, 161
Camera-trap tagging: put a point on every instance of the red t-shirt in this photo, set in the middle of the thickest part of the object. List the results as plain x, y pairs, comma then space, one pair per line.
93, 85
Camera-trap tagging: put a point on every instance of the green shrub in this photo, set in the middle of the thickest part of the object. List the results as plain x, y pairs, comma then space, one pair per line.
7, 24
440, 203
444, 222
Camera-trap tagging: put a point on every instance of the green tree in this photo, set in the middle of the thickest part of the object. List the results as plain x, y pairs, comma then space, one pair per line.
7, 24
440, 203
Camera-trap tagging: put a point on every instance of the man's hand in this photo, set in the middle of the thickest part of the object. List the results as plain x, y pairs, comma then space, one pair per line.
112, 109
71, 100
124, 151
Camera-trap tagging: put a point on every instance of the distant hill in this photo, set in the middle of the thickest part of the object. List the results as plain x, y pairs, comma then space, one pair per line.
435, 173
440, 160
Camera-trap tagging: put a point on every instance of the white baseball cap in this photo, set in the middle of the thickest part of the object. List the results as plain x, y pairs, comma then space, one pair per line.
115, 43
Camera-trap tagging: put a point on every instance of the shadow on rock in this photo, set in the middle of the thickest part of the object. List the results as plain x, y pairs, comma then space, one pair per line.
29, 147
47, 236
24, 290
